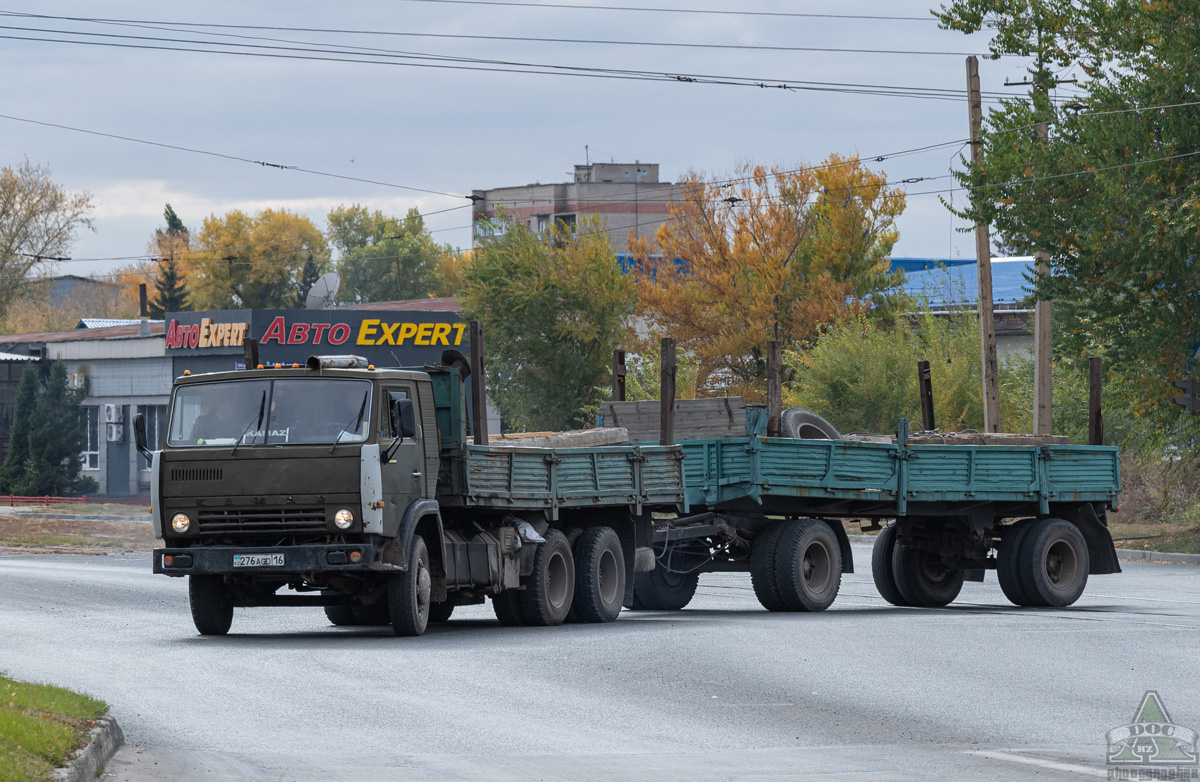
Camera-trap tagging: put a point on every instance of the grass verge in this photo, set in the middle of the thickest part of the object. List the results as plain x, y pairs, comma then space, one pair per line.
34, 534
40, 727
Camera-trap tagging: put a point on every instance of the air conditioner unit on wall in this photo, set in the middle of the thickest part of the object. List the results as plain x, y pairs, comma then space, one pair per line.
114, 414
115, 432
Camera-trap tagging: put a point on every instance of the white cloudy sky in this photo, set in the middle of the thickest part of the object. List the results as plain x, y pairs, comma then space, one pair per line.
456, 130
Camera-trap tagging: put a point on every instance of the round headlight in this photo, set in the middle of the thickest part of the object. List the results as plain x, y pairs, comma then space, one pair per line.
180, 522
343, 518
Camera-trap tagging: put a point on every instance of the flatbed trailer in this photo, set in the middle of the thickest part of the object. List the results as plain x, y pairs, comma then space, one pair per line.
941, 510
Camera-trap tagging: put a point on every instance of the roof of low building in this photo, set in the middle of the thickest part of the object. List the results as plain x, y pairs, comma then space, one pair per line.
157, 329
446, 304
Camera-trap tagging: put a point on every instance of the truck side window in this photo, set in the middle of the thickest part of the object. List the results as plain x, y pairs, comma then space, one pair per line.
392, 395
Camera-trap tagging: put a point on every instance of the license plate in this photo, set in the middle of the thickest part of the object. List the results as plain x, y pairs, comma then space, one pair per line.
258, 560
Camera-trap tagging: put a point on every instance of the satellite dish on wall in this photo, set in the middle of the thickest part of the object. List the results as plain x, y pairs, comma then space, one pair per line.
320, 296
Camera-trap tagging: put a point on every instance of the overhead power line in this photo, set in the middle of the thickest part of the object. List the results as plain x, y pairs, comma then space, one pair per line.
711, 11
230, 157
202, 27
425, 60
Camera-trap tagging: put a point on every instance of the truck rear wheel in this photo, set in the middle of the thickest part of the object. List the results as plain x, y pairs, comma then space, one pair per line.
881, 565
1008, 563
408, 592
340, 615
551, 587
922, 578
808, 566
507, 606
1054, 563
762, 566
663, 590
599, 576
212, 610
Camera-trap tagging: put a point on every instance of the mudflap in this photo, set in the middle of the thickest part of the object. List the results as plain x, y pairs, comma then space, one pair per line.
843, 544
1101, 551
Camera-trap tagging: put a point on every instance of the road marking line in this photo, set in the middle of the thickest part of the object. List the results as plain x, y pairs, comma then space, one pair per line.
1050, 764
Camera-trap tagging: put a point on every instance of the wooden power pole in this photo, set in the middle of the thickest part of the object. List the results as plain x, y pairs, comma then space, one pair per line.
983, 263
1043, 389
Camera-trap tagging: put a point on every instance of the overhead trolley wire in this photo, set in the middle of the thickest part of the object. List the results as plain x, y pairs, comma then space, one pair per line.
711, 11
426, 60
189, 27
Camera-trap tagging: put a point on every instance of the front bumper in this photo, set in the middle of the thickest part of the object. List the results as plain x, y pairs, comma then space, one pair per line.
311, 558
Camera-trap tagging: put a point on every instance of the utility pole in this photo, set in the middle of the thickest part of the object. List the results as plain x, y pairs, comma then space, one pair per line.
983, 263
1043, 327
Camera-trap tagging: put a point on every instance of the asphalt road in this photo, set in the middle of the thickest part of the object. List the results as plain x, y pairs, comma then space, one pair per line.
722, 690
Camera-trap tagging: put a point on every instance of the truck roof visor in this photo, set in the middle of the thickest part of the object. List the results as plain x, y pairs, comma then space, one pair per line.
336, 362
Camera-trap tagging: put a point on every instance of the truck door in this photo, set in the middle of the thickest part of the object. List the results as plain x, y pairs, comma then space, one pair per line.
403, 480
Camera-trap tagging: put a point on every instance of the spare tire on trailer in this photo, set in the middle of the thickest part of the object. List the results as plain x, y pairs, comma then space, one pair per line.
802, 424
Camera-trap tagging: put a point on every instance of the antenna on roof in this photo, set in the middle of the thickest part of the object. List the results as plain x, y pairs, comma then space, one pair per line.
320, 296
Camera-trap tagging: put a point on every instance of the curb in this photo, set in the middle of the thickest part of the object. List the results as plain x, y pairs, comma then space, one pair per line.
1127, 554
86, 765
1137, 555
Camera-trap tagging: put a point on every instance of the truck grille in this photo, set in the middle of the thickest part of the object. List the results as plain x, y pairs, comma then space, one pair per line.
288, 519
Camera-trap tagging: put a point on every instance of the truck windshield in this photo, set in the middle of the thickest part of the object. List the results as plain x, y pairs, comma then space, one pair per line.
299, 411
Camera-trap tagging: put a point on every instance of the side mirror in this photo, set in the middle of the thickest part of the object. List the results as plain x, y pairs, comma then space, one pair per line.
404, 418
139, 436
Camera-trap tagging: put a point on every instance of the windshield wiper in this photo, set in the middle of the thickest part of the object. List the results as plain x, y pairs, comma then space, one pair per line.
357, 421
262, 410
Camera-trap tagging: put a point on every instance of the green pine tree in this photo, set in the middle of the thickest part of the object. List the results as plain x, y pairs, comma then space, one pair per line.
172, 295
308, 278
57, 435
18, 442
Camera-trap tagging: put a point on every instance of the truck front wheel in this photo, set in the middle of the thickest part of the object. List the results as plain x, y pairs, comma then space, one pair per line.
409, 592
212, 610
551, 587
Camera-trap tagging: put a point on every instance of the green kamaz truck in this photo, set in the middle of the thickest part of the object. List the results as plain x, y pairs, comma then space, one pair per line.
340, 485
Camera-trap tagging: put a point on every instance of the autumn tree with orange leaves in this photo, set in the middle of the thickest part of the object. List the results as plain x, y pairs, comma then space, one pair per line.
771, 254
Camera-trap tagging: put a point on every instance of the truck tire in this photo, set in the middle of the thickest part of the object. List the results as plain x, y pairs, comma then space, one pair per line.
881, 565
663, 590
599, 576
339, 615
762, 566
1008, 562
803, 424
808, 566
440, 612
507, 606
922, 578
551, 586
408, 592
212, 610
1054, 563
374, 615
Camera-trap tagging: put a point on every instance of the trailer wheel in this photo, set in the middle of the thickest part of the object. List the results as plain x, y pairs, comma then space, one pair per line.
507, 607
1008, 563
408, 592
663, 590
340, 615
550, 588
802, 424
762, 566
881, 565
440, 612
922, 578
212, 611
1054, 563
599, 576
808, 566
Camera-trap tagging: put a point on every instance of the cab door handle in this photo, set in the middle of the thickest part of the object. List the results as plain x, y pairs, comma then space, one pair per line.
416, 473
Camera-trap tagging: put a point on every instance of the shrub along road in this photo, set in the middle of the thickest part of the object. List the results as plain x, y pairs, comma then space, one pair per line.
722, 690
